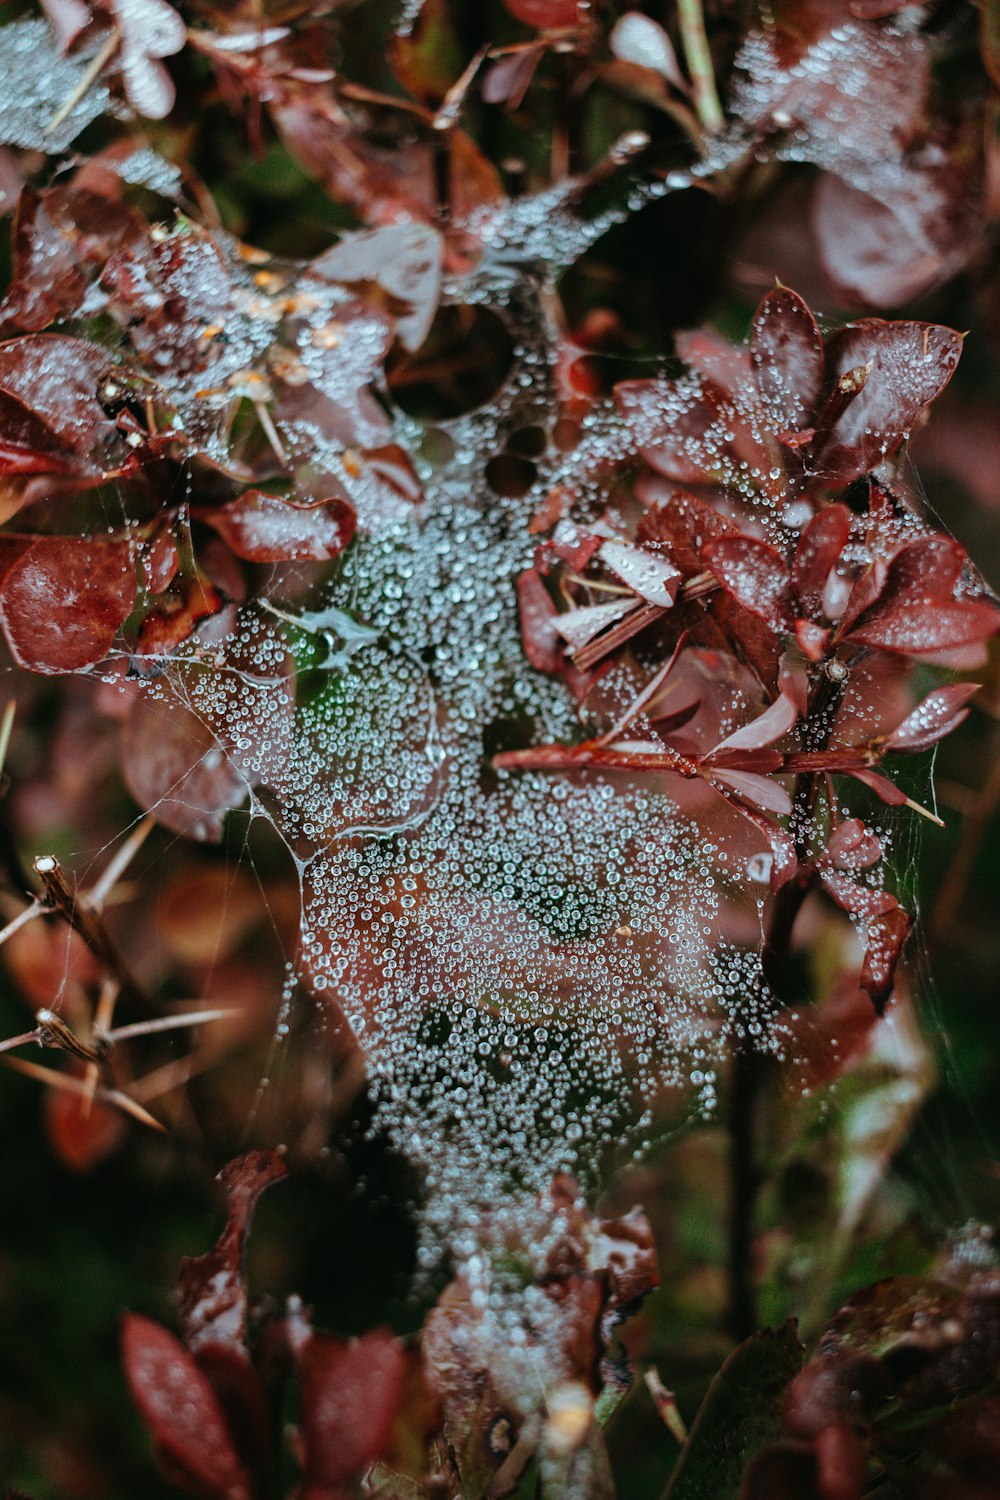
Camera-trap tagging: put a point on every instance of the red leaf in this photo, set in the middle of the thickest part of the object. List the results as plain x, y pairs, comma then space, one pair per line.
175, 617
265, 528
860, 900
883, 788
755, 575
405, 260
50, 418
913, 612
939, 713
852, 847
160, 563
652, 577
679, 427
351, 1394
761, 791
176, 768
911, 363
683, 522
542, 644
886, 937
819, 549
773, 724
81, 1136
64, 600
787, 354
180, 1409
916, 630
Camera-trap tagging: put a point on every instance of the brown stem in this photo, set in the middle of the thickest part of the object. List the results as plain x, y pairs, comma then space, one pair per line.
60, 897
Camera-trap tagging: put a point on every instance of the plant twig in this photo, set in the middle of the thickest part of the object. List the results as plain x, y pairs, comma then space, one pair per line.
76, 909
52, 1078
691, 19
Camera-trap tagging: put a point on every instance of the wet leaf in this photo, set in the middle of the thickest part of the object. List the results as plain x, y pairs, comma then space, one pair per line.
787, 354
64, 600
351, 1395
755, 575
911, 363
937, 715
405, 260
179, 1407
51, 420
266, 528
213, 1299
175, 767
820, 546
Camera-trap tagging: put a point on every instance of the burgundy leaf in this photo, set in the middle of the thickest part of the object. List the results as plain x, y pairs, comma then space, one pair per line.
683, 522
755, 575
853, 847
180, 1409
883, 788
545, 15
860, 900
64, 600
653, 577
911, 363
773, 724
813, 639
160, 562
679, 427
542, 645
176, 768
50, 418
405, 260
819, 549
939, 713
175, 617
886, 936
787, 354
761, 791
265, 528
46, 282
915, 630
913, 612
351, 1394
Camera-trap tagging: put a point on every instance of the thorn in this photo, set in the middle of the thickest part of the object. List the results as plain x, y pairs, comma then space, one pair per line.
925, 812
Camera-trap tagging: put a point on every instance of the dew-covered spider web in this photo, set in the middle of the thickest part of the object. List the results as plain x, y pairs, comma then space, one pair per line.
526, 960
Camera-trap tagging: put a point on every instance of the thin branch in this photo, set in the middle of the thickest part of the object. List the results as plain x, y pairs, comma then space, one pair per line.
52, 1078
116, 867
170, 1023
21, 920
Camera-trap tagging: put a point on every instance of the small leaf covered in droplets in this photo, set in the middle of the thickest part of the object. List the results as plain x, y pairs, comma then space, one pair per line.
181, 1410
937, 715
64, 600
265, 528
911, 363
755, 575
787, 354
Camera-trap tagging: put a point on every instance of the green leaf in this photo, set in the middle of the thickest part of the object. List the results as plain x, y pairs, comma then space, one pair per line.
740, 1413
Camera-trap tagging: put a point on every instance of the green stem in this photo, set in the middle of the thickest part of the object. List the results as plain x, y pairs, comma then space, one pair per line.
691, 19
